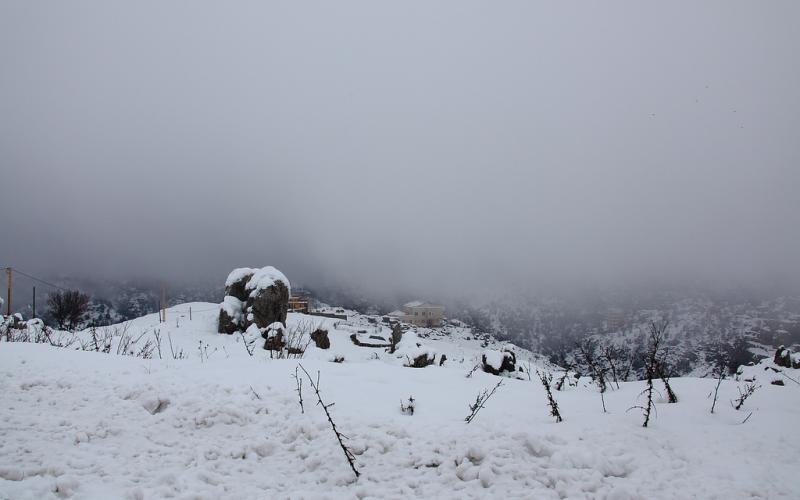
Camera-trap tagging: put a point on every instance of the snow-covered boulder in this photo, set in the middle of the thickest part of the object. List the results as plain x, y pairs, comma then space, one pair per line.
414, 353
274, 333
497, 362
785, 358
254, 296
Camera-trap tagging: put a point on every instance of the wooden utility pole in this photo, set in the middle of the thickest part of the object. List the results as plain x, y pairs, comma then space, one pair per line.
163, 303
33, 314
10, 286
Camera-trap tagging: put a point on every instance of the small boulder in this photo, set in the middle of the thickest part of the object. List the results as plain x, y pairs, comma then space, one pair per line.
320, 338
497, 362
274, 335
422, 360
783, 357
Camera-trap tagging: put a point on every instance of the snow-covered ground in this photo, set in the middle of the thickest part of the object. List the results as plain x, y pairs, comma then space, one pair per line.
223, 424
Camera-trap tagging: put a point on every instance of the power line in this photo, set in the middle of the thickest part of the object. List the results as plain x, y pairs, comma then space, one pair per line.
34, 278
47, 283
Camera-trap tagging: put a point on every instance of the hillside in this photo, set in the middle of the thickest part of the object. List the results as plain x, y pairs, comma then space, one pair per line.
220, 423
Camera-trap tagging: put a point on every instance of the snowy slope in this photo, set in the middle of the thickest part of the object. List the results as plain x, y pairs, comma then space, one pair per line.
226, 425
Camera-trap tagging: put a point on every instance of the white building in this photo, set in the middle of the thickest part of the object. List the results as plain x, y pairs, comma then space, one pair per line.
420, 313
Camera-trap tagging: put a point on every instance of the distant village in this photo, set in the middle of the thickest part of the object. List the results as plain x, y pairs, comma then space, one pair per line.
417, 312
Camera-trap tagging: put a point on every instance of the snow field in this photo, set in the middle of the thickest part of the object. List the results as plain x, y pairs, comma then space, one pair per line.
91, 425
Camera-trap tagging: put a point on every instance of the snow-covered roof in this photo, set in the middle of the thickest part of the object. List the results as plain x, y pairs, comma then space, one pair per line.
419, 303
396, 313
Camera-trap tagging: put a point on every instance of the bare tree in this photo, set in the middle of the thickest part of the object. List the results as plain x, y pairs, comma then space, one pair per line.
613, 357
68, 308
651, 368
657, 357
597, 371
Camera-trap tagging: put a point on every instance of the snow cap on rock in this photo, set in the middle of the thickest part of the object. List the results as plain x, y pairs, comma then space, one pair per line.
238, 274
265, 278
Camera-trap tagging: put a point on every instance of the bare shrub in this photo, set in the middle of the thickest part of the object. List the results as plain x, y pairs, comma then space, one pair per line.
203, 352
295, 341
179, 354
249, 344
547, 378
299, 389
480, 402
748, 391
408, 407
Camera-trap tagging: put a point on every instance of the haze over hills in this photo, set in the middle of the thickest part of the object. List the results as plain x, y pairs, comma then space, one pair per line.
494, 250
743, 326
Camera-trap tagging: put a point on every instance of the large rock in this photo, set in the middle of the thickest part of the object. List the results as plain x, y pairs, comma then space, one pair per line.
254, 296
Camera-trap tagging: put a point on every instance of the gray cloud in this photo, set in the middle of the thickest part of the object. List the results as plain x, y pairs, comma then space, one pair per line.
414, 145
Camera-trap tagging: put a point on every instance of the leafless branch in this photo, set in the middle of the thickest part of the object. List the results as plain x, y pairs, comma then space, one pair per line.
351, 459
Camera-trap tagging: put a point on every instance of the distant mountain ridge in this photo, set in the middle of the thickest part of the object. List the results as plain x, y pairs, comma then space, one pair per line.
742, 327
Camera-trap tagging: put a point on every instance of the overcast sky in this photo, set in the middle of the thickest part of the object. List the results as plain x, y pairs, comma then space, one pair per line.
430, 146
